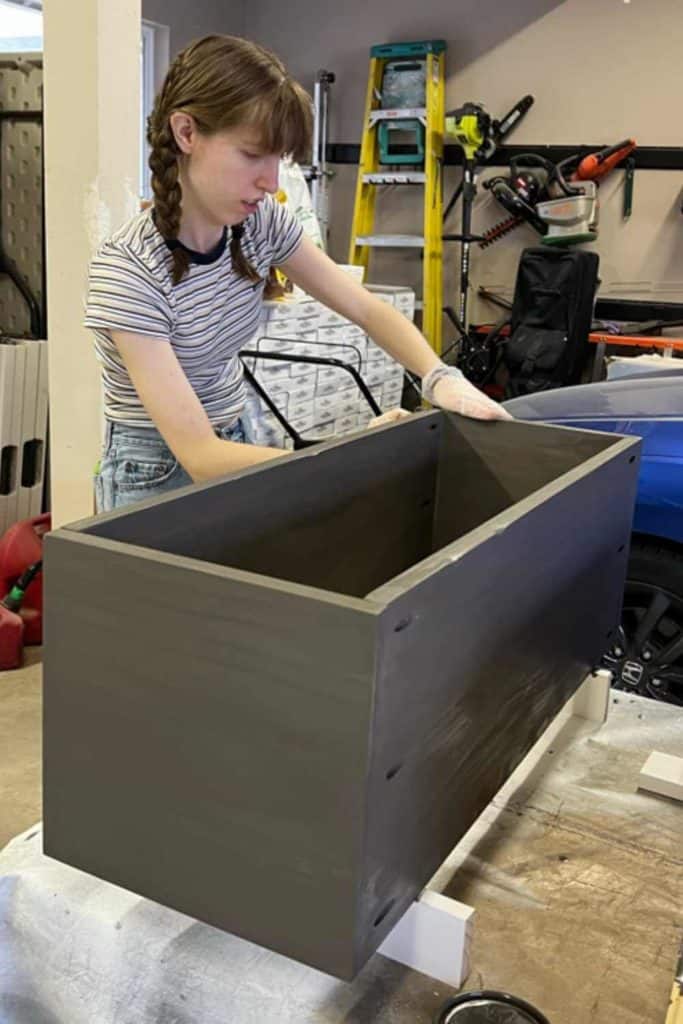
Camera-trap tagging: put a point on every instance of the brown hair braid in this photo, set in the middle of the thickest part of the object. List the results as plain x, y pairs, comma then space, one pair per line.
239, 260
163, 161
223, 82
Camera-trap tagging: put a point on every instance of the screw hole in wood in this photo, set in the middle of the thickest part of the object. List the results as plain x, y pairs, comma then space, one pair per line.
620, 549
632, 459
403, 624
393, 772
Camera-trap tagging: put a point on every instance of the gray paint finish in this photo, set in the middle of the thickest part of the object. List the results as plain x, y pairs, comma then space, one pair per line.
291, 762
492, 646
215, 761
278, 524
482, 473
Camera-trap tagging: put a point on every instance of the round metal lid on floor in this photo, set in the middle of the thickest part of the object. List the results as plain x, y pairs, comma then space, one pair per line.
489, 1008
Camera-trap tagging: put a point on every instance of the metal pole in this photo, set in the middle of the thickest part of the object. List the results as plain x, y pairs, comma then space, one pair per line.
468, 193
319, 172
315, 155
323, 197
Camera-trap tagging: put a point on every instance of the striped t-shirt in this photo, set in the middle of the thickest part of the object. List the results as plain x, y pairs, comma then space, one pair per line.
207, 318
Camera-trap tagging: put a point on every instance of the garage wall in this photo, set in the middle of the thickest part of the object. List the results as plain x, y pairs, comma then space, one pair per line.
338, 37
188, 21
600, 70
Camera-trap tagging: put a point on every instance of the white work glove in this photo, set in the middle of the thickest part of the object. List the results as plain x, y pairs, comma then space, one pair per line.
393, 416
448, 388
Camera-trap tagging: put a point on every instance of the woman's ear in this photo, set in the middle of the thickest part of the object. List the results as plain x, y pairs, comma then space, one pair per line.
184, 130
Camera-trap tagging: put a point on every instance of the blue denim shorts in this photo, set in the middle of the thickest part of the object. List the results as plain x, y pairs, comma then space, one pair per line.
137, 463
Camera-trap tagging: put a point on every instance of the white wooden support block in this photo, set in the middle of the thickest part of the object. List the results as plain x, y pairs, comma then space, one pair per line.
433, 936
662, 774
591, 700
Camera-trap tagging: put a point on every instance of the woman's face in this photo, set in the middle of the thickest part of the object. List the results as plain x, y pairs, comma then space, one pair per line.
224, 176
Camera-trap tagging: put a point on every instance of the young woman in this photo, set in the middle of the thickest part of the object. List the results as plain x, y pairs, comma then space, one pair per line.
177, 291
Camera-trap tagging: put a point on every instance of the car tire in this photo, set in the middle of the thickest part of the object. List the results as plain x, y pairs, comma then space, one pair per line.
647, 656
658, 565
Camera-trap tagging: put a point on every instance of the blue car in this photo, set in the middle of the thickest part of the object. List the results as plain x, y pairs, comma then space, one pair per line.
647, 657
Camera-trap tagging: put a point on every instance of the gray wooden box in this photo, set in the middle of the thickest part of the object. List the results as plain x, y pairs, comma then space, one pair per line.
275, 702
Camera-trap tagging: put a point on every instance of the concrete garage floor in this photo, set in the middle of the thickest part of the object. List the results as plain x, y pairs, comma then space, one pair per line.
20, 746
577, 885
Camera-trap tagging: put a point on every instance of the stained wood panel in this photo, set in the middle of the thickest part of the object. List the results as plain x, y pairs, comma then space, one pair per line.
275, 702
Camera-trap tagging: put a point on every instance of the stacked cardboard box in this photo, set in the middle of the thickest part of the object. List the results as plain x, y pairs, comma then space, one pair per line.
320, 401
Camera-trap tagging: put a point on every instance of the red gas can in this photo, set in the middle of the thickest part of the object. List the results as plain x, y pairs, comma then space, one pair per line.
12, 632
20, 546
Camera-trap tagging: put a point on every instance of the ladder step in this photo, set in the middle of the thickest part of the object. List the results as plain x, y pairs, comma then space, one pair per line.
399, 114
413, 178
392, 241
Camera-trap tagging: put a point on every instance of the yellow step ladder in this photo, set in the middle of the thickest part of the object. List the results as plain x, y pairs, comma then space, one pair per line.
427, 120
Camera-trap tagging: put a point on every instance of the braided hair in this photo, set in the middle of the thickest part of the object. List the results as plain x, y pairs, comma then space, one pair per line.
163, 161
222, 82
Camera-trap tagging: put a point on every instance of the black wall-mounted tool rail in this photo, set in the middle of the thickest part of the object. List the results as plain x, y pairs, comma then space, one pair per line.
647, 158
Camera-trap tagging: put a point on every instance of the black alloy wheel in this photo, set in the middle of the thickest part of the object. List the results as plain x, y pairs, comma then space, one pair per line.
646, 656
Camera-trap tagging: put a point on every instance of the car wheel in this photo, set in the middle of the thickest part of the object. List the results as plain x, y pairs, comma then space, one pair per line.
647, 654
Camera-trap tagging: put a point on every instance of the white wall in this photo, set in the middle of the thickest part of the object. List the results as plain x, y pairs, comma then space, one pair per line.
191, 19
92, 108
600, 70
338, 36
92, 85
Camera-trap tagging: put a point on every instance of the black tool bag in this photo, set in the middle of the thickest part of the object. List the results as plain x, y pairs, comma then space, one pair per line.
551, 317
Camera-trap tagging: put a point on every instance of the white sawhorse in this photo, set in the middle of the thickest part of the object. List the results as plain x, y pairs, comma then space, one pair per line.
435, 934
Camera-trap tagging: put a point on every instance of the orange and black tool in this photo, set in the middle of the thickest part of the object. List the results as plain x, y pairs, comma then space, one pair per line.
597, 165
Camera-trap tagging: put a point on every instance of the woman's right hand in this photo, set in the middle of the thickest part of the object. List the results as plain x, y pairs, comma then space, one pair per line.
456, 394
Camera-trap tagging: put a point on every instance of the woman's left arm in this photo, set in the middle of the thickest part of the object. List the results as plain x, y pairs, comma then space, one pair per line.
319, 276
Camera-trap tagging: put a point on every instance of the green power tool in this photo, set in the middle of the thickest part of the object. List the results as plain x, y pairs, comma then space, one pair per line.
473, 129
478, 134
